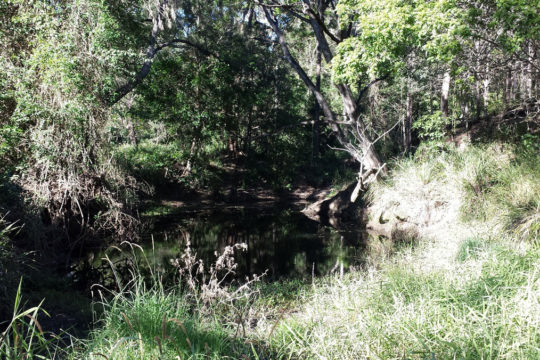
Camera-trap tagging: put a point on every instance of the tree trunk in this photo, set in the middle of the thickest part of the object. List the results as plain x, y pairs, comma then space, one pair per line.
368, 157
364, 152
485, 96
515, 83
464, 104
530, 72
188, 166
131, 132
128, 123
523, 81
317, 109
445, 91
478, 97
507, 87
408, 122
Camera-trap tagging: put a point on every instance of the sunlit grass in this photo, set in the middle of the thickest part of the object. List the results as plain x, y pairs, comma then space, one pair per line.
155, 324
466, 291
474, 311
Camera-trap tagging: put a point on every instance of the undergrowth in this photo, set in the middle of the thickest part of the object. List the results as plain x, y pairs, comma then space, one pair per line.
496, 184
151, 323
469, 289
502, 185
23, 337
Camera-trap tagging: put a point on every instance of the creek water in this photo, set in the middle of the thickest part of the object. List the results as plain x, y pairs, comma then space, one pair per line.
281, 242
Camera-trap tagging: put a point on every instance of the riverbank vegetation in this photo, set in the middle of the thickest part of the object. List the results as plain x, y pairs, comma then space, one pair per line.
466, 287
112, 111
465, 284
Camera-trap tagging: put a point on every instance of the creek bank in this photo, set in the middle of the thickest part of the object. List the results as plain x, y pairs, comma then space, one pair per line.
392, 221
231, 198
462, 291
335, 209
393, 212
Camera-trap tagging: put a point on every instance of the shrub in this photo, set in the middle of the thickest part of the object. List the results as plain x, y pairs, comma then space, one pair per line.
431, 126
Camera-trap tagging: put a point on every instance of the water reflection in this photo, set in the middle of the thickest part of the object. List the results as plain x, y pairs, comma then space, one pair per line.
283, 242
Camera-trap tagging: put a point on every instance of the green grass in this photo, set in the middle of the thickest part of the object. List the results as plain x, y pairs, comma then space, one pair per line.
23, 336
151, 163
485, 305
156, 324
466, 291
470, 248
501, 183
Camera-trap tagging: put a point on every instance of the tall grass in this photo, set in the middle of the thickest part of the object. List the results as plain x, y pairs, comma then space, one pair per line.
144, 320
23, 337
155, 324
496, 184
502, 185
467, 289
485, 306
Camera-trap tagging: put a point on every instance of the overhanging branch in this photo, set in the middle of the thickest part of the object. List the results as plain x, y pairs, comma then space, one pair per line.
151, 53
362, 92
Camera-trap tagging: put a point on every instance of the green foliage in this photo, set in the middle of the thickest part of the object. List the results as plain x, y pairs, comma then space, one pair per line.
155, 164
154, 324
518, 19
470, 248
431, 127
60, 62
530, 143
387, 32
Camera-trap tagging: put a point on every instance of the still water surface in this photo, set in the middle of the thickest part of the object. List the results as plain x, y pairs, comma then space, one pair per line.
282, 242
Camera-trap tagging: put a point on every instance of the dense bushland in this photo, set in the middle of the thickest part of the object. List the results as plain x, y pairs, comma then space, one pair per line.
104, 105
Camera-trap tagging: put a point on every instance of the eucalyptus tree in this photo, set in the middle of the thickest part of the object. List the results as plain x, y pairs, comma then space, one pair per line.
505, 39
365, 43
322, 18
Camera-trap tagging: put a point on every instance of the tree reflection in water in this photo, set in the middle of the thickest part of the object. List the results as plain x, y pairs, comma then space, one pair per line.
284, 242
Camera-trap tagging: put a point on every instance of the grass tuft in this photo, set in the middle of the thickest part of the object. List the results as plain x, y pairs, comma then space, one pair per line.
470, 248
156, 324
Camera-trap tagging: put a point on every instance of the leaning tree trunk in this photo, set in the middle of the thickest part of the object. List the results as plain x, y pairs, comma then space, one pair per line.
364, 151
355, 139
